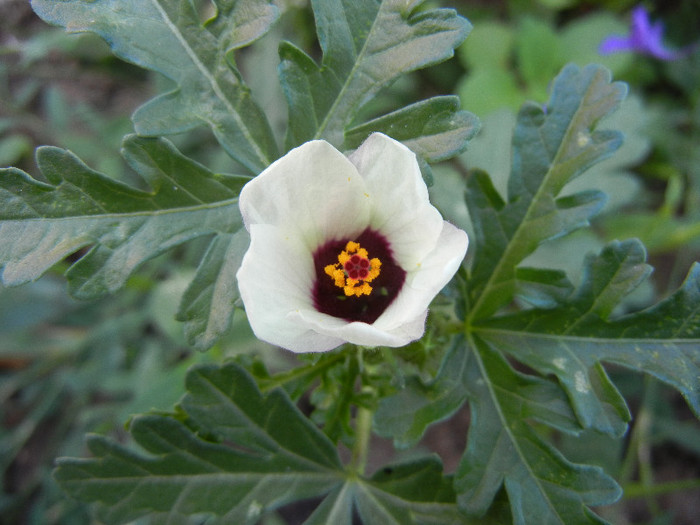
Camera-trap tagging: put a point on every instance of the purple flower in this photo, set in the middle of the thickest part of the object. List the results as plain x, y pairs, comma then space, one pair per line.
645, 38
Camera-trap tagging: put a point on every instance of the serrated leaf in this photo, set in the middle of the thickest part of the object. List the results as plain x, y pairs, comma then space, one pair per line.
42, 223
572, 341
541, 287
366, 44
260, 452
260, 464
434, 129
411, 493
167, 36
208, 303
240, 22
551, 146
405, 416
504, 451
226, 402
414, 493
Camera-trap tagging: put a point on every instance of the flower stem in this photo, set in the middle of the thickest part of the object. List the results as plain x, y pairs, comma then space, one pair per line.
363, 422
363, 431
309, 371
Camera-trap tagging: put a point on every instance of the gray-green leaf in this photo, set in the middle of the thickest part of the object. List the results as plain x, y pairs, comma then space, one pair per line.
167, 36
571, 342
208, 303
504, 451
551, 146
434, 129
42, 223
241, 454
366, 44
183, 474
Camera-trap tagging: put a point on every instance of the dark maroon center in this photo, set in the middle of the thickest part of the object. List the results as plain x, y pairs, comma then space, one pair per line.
330, 299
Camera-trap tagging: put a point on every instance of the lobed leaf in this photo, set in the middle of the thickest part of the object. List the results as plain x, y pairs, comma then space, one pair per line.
42, 223
413, 493
238, 23
503, 450
406, 415
167, 36
551, 146
208, 303
434, 129
366, 44
248, 464
226, 402
571, 342
259, 465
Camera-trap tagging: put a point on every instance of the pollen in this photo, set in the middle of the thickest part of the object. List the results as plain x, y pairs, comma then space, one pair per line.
354, 270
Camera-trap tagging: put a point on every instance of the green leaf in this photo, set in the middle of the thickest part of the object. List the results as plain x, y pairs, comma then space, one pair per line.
226, 402
409, 493
486, 90
415, 493
503, 450
167, 36
208, 303
551, 146
405, 416
542, 288
42, 223
571, 342
434, 129
238, 23
267, 464
366, 44
489, 46
259, 453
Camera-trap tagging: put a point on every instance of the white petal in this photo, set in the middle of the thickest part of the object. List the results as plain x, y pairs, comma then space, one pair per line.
313, 192
275, 279
361, 333
401, 209
426, 280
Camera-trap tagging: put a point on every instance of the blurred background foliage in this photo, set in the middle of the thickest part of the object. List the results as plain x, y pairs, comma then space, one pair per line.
67, 367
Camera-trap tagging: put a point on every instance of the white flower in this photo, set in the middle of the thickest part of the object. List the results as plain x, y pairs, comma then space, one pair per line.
343, 249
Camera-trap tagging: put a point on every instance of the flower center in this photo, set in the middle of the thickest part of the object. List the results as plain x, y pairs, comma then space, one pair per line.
344, 271
354, 270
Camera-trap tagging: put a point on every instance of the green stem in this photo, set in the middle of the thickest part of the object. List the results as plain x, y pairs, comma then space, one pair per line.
363, 424
297, 373
639, 439
363, 431
642, 490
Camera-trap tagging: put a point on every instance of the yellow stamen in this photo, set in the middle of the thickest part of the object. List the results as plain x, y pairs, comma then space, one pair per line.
354, 270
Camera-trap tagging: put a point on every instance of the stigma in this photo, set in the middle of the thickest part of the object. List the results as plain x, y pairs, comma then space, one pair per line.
354, 270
